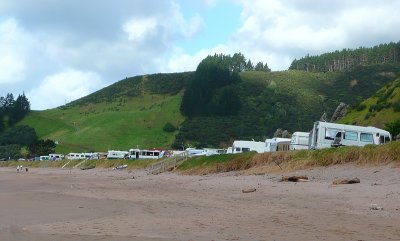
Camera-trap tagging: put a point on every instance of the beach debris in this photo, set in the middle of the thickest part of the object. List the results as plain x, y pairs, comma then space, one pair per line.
248, 190
375, 207
294, 179
346, 181
120, 167
87, 168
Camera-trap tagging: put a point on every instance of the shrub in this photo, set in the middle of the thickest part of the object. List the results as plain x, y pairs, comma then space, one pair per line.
168, 127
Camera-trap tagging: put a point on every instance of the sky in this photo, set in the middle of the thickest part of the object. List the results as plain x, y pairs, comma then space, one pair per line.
56, 51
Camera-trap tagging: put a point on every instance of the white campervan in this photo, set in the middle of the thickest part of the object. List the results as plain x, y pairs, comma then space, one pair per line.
146, 154
56, 157
325, 134
245, 146
299, 141
117, 154
277, 144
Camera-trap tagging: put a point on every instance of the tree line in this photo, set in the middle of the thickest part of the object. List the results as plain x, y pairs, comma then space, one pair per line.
13, 110
18, 141
348, 58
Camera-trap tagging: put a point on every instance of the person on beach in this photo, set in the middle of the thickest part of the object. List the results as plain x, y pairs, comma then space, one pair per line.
18, 168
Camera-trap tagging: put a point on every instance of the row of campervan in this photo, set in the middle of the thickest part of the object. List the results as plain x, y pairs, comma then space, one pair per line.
323, 135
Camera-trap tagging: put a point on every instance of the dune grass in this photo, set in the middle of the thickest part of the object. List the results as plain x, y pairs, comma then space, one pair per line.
252, 162
103, 163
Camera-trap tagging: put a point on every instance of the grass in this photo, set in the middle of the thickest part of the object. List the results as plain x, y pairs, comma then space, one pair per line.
103, 163
104, 126
293, 160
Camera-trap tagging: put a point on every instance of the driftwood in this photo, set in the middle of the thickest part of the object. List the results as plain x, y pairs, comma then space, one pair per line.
248, 190
346, 181
294, 179
87, 168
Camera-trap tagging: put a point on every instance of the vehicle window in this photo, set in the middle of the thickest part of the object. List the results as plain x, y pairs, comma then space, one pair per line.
237, 148
330, 133
245, 149
366, 137
351, 135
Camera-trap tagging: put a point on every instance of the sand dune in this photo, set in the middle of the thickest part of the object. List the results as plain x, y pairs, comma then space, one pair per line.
56, 204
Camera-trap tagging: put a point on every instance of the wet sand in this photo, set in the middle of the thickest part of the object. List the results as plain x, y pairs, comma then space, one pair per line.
99, 204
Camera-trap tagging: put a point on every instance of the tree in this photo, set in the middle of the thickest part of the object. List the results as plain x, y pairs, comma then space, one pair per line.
22, 135
42, 147
168, 127
18, 110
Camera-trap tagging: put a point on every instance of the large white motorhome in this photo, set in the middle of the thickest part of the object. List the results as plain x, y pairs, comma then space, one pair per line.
56, 157
325, 134
299, 141
277, 144
245, 146
146, 154
117, 154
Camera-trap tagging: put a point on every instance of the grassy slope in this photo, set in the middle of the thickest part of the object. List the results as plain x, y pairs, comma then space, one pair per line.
369, 115
133, 111
102, 126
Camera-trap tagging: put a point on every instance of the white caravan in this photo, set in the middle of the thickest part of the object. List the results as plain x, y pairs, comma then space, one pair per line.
299, 141
81, 156
117, 154
56, 157
325, 134
146, 154
245, 146
75, 156
277, 144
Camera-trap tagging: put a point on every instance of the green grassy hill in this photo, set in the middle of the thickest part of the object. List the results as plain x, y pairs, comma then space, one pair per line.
381, 108
126, 114
134, 111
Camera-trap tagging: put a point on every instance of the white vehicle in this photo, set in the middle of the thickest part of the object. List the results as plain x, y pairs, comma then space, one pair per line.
277, 144
146, 154
78, 156
299, 141
325, 134
44, 158
195, 152
245, 146
117, 154
56, 157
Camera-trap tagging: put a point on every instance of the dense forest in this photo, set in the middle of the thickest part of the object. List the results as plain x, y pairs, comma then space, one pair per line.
348, 58
18, 140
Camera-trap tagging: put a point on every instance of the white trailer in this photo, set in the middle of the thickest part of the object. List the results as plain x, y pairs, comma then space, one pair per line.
146, 154
325, 135
299, 141
277, 144
117, 154
245, 146
56, 157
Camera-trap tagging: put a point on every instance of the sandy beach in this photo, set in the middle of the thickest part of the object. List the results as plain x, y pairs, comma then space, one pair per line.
100, 204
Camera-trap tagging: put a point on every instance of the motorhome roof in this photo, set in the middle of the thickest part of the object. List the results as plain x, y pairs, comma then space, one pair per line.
353, 127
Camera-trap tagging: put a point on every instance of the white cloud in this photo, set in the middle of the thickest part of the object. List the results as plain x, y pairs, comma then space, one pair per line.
13, 45
137, 29
291, 29
68, 85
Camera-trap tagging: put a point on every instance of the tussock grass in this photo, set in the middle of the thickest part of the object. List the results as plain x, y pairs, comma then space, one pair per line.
132, 164
253, 163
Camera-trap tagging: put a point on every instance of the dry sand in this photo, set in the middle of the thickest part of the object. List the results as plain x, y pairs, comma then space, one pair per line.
56, 204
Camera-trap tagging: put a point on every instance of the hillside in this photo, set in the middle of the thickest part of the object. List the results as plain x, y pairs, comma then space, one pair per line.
381, 108
247, 104
127, 114
290, 100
